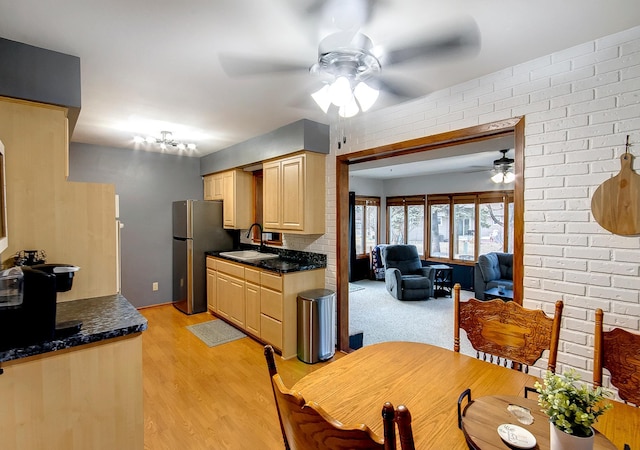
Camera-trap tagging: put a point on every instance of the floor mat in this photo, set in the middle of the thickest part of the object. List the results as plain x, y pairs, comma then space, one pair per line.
215, 332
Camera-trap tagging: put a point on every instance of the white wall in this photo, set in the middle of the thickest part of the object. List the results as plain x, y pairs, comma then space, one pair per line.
579, 105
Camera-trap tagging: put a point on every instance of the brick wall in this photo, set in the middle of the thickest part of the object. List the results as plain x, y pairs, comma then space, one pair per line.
579, 106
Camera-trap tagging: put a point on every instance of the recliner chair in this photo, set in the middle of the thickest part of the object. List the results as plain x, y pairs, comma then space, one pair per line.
404, 276
492, 270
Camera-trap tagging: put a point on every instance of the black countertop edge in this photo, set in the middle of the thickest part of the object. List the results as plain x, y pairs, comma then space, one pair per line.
102, 318
291, 261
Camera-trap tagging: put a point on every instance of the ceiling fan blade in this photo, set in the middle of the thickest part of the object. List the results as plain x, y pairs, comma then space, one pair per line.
463, 38
404, 90
241, 66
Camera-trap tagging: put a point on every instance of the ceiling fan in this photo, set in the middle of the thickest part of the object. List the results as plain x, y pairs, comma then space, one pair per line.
503, 169
349, 67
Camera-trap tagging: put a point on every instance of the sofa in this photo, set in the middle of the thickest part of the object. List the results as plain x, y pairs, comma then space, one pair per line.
405, 277
492, 270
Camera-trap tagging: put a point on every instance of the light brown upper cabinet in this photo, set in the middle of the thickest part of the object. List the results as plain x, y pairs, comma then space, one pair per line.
237, 201
294, 194
213, 187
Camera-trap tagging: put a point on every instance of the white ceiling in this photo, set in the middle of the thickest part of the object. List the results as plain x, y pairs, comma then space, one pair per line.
464, 158
152, 65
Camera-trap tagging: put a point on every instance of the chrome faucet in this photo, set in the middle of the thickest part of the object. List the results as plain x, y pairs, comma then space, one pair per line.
260, 228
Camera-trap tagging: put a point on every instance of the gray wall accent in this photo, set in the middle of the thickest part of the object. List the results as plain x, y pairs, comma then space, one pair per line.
40, 75
147, 183
301, 135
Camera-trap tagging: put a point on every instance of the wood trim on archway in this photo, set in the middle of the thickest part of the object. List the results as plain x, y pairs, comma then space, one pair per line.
513, 126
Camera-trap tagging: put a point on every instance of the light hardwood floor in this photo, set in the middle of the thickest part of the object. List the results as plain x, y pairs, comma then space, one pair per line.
199, 397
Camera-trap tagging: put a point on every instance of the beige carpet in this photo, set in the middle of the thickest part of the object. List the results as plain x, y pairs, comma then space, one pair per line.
382, 318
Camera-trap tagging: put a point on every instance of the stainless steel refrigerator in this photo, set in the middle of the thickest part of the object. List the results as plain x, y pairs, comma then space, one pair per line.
197, 228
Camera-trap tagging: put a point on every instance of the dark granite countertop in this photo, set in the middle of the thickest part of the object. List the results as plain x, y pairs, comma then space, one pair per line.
288, 260
102, 318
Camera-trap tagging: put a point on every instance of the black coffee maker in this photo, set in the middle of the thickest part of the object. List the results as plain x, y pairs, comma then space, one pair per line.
31, 318
34, 320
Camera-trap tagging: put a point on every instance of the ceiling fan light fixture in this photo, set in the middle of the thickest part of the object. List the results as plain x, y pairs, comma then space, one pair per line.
498, 177
509, 177
340, 91
322, 98
350, 109
365, 95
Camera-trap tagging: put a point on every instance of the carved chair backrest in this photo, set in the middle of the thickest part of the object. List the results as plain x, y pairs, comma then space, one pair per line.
306, 425
507, 333
618, 351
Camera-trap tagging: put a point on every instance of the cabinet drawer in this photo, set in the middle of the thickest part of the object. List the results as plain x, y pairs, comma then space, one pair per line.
271, 303
271, 281
211, 263
234, 270
271, 331
252, 275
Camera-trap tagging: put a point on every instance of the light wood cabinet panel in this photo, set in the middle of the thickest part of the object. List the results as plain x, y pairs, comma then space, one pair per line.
293, 187
212, 305
271, 331
237, 209
271, 197
72, 221
271, 303
213, 187
222, 295
294, 194
267, 306
88, 397
207, 187
236, 301
252, 300
235, 270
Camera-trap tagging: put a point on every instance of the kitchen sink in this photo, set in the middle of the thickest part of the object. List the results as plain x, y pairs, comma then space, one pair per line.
248, 255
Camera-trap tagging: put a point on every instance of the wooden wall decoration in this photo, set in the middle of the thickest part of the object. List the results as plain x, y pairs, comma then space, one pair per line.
616, 202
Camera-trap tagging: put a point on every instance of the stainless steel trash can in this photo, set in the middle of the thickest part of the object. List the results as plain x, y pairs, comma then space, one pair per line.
316, 325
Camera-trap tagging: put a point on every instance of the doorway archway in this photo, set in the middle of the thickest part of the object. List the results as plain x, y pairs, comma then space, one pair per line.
513, 126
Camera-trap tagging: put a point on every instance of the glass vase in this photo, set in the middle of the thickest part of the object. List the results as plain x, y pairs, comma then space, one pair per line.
565, 441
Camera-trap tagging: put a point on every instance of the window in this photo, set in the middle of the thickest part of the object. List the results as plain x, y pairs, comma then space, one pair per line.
439, 233
406, 222
367, 216
464, 219
481, 223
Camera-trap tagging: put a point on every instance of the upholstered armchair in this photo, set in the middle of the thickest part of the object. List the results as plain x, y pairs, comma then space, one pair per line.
404, 275
492, 270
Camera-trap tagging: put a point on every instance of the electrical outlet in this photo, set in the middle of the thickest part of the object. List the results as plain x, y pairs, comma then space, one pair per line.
155, 286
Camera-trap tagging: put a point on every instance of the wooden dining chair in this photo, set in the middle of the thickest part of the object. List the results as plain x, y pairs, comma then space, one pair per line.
618, 351
306, 426
506, 333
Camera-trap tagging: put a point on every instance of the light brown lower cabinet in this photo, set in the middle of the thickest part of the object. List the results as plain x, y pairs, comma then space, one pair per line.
260, 302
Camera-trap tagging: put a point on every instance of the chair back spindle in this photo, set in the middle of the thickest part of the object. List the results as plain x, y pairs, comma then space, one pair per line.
618, 351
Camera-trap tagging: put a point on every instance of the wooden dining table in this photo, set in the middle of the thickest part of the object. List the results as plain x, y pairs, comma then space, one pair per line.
428, 380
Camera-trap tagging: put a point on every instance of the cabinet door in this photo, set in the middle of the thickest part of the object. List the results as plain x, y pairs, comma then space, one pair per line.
208, 187
222, 294
252, 299
271, 195
211, 290
292, 191
228, 206
217, 187
237, 302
